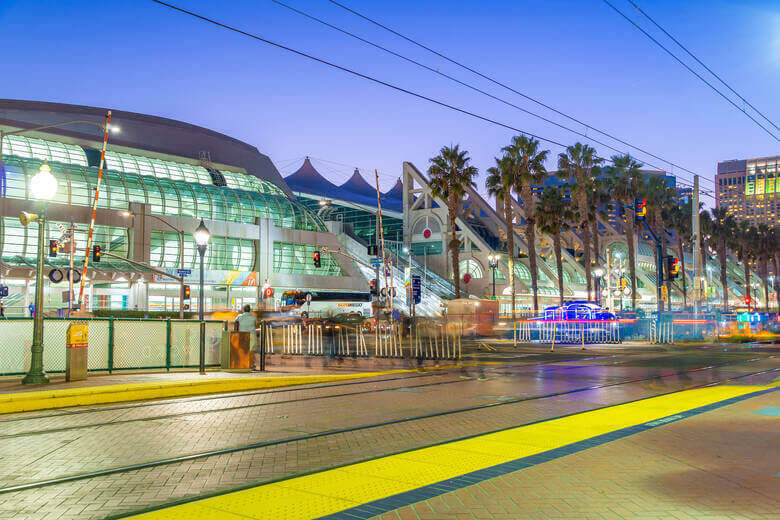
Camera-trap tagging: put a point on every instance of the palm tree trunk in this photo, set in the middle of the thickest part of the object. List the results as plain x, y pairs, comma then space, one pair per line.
510, 246
704, 294
681, 252
594, 233
723, 275
558, 263
765, 275
747, 280
530, 236
630, 234
454, 246
585, 231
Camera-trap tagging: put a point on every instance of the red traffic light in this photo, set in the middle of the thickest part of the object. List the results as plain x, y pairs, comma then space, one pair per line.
317, 259
53, 248
96, 252
187, 292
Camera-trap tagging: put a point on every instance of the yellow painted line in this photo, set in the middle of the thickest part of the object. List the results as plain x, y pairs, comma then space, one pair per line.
91, 395
329, 492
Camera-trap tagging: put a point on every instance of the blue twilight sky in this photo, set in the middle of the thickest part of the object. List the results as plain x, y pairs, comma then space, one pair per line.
578, 56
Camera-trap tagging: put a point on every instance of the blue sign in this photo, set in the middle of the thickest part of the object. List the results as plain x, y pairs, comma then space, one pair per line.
375, 261
3, 291
183, 272
416, 288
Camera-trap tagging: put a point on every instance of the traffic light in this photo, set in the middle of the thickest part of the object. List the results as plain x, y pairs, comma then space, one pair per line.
96, 253
640, 209
53, 248
186, 292
373, 287
317, 259
672, 267
748, 300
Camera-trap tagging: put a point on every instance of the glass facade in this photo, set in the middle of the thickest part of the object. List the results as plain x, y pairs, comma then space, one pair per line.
223, 253
165, 196
292, 258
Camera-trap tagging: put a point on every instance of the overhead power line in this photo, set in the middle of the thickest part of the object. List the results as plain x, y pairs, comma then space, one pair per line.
509, 88
681, 62
356, 73
683, 47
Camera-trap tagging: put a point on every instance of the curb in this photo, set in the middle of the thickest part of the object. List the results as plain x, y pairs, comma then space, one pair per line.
91, 395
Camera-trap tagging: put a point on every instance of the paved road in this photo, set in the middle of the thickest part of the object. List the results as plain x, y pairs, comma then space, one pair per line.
117, 459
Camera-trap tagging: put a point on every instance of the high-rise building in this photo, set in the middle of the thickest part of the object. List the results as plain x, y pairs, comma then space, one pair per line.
749, 189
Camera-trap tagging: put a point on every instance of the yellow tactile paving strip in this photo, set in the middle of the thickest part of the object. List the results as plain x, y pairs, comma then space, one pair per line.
91, 395
328, 492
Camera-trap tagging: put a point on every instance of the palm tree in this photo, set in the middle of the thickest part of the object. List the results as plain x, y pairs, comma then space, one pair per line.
705, 238
575, 166
746, 241
764, 253
600, 200
500, 182
723, 230
450, 175
679, 219
627, 181
659, 196
528, 164
554, 213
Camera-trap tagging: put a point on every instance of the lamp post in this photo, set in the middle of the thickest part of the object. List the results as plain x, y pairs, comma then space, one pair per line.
493, 263
599, 272
43, 186
202, 236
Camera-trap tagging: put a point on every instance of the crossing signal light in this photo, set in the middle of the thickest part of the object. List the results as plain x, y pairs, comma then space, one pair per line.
373, 286
53, 248
186, 292
96, 252
317, 259
640, 209
673, 267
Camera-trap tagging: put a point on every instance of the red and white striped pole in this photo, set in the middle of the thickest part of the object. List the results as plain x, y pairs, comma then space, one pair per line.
94, 210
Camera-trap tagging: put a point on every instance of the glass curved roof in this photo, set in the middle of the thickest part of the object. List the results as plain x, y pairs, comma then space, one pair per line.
31, 148
165, 196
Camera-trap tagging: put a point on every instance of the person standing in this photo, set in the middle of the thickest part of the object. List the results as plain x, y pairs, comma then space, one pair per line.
247, 322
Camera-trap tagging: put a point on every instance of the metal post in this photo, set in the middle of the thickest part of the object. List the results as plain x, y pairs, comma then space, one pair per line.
659, 276
167, 344
36, 375
181, 282
201, 303
494, 281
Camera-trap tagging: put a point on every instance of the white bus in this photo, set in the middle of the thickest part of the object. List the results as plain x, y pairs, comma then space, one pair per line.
325, 304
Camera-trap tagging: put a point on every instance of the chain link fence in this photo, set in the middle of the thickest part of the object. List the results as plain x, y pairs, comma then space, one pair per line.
113, 344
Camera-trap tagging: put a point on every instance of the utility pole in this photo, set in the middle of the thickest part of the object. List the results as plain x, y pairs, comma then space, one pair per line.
697, 267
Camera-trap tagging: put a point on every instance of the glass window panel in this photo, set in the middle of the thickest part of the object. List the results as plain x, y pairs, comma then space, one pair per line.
136, 192
154, 194
218, 203
171, 197
188, 205
292, 258
203, 200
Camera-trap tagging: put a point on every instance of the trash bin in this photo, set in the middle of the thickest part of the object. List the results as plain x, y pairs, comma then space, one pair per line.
236, 353
76, 352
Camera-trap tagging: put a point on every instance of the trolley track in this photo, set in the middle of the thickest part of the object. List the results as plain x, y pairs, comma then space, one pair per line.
337, 431
298, 388
496, 369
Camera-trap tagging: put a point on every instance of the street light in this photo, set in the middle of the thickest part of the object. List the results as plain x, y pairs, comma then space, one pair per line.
493, 263
43, 187
599, 272
201, 236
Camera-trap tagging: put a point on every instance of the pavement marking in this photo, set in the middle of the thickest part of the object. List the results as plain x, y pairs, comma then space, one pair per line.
769, 410
377, 486
91, 395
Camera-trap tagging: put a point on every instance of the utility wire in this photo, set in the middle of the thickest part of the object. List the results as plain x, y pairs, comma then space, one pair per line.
702, 64
355, 73
507, 87
678, 60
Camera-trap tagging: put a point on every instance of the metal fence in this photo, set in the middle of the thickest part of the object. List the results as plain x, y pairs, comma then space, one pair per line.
425, 339
113, 344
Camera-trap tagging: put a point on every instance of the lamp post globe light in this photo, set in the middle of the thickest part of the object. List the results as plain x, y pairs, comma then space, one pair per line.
202, 236
493, 264
43, 187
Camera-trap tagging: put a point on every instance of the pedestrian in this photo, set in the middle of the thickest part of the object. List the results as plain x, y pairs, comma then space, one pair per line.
247, 322
2, 310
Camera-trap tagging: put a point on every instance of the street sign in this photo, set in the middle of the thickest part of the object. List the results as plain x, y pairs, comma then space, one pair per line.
375, 261
183, 272
416, 289
3, 291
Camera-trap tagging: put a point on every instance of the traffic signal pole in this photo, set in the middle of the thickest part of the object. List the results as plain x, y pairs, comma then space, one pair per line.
659, 266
